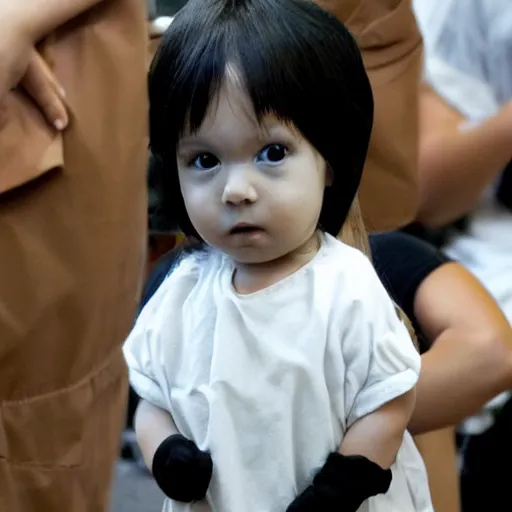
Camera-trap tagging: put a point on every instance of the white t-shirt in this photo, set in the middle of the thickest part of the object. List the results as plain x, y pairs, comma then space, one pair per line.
468, 61
269, 382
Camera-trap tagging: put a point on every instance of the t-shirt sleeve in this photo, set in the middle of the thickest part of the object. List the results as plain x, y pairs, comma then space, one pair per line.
142, 353
146, 347
381, 361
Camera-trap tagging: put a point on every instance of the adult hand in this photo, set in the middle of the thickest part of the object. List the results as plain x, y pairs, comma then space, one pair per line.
21, 65
40, 83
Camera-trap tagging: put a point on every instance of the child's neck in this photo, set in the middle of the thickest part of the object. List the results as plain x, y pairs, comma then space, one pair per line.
250, 278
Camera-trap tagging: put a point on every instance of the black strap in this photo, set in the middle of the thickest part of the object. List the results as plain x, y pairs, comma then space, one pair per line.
504, 190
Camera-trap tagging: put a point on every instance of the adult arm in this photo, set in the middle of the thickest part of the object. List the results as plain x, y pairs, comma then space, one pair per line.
470, 361
466, 339
22, 25
456, 163
40, 17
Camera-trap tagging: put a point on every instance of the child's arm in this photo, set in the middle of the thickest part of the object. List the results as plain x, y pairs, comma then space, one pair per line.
378, 435
179, 467
152, 426
381, 369
361, 468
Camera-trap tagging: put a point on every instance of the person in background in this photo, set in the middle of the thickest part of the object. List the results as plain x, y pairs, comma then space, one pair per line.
466, 346
465, 173
73, 152
391, 45
466, 129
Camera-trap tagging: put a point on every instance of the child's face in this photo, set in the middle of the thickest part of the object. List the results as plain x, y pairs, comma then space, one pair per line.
252, 190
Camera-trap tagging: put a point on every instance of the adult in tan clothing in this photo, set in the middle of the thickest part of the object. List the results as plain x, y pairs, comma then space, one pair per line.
72, 235
391, 44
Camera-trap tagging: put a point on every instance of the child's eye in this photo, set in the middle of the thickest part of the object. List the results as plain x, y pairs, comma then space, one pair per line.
273, 154
205, 161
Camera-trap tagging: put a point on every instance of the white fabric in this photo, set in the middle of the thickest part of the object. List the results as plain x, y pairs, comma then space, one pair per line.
269, 382
468, 48
468, 52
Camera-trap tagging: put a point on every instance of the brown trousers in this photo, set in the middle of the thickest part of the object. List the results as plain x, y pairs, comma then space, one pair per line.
72, 248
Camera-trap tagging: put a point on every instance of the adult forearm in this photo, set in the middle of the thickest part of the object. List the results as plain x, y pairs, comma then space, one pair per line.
40, 17
456, 165
448, 392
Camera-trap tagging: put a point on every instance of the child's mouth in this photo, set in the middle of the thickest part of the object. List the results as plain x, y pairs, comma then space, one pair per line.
244, 229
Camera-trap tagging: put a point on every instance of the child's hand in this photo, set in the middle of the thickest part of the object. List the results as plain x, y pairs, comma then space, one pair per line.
182, 470
342, 485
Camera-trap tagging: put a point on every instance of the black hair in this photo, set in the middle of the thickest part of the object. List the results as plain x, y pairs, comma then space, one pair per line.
295, 60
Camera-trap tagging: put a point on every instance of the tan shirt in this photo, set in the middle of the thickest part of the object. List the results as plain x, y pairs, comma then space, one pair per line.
391, 44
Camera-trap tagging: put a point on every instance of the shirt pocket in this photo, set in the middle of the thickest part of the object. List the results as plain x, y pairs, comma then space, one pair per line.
61, 430
29, 146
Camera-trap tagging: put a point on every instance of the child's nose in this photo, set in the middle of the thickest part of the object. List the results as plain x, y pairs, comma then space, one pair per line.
239, 188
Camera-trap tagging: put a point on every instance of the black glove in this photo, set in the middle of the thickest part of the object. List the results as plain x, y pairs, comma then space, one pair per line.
182, 470
342, 485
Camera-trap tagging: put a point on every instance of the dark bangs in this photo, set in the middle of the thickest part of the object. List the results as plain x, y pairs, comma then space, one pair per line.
295, 60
